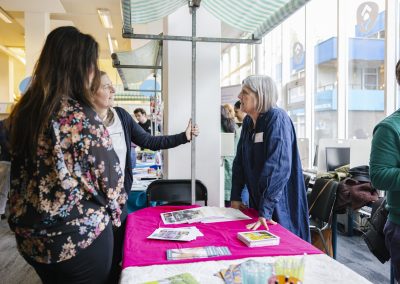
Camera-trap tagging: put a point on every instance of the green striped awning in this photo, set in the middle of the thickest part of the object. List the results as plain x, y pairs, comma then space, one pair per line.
256, 17
145, 11
131, 97
147, 55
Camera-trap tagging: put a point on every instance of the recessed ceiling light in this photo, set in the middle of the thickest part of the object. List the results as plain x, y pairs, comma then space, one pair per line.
110, 44
115, 42
5, 16
105, 18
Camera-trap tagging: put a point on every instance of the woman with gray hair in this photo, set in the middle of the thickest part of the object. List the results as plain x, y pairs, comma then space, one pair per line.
267, 161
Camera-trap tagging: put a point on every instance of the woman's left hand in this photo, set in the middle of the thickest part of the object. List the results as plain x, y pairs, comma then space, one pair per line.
261, 221
191, 131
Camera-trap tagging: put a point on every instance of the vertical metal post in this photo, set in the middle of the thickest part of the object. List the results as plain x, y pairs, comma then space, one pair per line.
193, 144
155, 102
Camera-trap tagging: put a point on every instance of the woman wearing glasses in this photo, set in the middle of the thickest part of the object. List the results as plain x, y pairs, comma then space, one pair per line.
123, 130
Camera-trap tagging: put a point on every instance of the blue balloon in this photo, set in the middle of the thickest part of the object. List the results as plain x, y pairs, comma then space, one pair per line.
149, 85
23, 86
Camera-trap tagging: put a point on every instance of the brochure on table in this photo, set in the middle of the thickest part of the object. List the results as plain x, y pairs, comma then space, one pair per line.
176, 234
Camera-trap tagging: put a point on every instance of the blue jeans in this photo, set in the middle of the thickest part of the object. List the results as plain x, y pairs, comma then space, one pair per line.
392, 240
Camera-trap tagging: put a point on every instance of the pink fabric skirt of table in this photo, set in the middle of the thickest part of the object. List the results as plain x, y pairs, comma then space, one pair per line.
140, 251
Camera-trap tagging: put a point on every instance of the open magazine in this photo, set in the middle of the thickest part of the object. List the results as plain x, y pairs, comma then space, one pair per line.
204, 215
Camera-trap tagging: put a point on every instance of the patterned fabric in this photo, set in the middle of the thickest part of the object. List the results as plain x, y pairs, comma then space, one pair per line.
62, 201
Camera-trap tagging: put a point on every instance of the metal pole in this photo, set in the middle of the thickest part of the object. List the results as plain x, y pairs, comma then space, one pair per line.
155, 103
136, 66
193, 144
144, 91
188, 38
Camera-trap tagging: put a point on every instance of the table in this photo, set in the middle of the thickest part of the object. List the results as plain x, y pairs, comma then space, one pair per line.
140, 251
319, 268
145, 259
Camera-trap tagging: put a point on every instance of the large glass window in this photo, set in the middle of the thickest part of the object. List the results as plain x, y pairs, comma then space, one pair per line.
293, 69
273, 59
365, 81
236, 64
225, 70
322, 15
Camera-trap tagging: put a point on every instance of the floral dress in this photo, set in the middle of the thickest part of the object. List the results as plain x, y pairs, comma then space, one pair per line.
61, 202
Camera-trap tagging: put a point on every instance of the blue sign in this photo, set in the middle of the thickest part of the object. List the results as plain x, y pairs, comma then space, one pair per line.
23, 86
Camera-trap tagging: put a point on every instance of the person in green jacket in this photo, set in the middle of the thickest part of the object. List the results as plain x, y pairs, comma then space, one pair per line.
385, 175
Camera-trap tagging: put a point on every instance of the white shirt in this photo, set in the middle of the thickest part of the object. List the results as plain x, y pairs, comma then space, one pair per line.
118, 140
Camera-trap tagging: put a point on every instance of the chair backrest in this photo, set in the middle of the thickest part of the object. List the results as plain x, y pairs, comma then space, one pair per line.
175, 191
322, 199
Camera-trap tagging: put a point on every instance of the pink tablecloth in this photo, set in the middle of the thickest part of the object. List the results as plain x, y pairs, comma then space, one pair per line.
140, 251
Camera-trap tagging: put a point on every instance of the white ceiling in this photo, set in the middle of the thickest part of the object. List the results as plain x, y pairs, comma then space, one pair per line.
81, 14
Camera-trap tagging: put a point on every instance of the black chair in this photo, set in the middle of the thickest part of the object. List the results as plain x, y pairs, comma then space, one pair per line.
307, 179
320, 204
175, 192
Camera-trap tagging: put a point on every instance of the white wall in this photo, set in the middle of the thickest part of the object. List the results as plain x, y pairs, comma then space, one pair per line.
4, 78
177, 99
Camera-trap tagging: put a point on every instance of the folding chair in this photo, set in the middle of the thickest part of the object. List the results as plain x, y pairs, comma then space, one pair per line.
321, 202
175, 192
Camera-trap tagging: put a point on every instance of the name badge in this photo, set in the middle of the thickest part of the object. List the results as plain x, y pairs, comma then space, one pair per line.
259, 137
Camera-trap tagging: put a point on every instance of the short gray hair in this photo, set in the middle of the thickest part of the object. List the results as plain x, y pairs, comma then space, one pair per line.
265, 89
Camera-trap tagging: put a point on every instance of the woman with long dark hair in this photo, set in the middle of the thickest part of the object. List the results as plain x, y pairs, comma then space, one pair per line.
66, 184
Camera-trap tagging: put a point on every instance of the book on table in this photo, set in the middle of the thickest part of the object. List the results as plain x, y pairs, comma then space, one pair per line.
258, 238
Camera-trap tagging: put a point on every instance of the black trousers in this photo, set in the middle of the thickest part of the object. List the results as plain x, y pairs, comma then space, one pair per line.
91, 265
392, 239
119, 234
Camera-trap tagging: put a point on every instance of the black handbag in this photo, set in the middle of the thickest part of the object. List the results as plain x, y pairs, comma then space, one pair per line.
374, 237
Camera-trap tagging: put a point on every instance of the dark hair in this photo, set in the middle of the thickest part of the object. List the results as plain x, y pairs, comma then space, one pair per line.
139, 109
398, 72
62, 71
227, 123
237, 105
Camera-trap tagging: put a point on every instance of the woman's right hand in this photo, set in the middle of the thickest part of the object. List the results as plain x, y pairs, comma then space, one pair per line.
191, 131
238, 205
